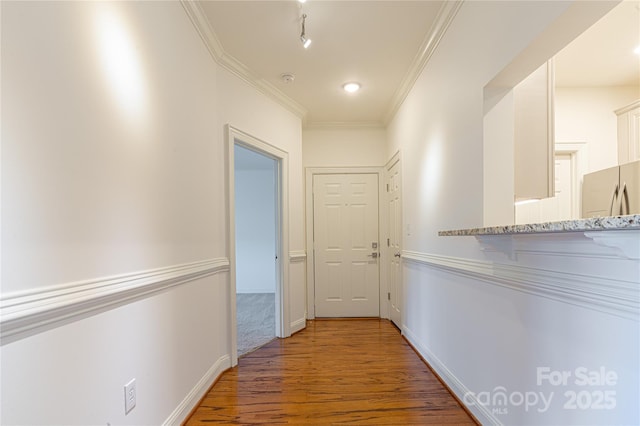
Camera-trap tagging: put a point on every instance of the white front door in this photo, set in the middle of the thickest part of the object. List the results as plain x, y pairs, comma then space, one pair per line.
392, 259
346, 246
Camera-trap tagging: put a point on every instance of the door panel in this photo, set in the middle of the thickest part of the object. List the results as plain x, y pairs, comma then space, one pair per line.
393, 260
345, 212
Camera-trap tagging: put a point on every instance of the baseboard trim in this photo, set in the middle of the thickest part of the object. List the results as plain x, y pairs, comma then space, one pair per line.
27, 313
193, 398
455, 386
298, 325
611, 296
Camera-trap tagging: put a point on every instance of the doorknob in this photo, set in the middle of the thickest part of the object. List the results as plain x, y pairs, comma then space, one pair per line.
397, 254
374, 255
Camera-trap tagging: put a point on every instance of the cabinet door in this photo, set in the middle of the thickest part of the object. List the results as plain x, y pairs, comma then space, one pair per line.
534, 135
629, 133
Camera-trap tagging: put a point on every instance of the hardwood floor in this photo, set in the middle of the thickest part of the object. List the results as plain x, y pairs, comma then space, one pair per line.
333, 372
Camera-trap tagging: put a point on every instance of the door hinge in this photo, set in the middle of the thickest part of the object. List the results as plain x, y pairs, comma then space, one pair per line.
388, 243
387, 187
388, 296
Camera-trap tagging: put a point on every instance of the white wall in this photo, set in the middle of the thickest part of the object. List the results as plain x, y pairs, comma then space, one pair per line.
498, 159
439, 127
281, 128
344, 147
255, 226
113, 165
479, 330
586, 114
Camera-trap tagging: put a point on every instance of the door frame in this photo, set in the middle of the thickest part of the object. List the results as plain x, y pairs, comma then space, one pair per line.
238, 137
578, 150
310, 172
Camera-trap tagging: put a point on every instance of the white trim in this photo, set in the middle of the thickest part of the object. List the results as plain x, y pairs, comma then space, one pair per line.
624, 242
296, 256
238, 137
579, 154
393, 160
625, 109
203, 27
457, 387
595, 244
611, 296
30, 312
179, 415
328, 125
309, 173
298, 325
446, 14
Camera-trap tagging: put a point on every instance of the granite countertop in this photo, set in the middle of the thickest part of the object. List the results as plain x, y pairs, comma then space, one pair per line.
611, 223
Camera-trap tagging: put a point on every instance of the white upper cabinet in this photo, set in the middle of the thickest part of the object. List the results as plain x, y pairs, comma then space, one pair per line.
629, 133
534, 135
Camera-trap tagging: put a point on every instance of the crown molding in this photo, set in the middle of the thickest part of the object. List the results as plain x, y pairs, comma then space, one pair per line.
627, 108
332, 125
203, 27
446, 14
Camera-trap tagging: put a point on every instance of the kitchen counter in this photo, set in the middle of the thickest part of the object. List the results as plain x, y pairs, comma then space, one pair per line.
612, 223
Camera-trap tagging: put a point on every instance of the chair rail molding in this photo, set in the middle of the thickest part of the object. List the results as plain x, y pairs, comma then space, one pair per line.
297, 256
616, 297
30, 312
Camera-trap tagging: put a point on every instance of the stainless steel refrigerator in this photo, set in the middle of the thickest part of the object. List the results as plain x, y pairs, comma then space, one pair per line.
612, 192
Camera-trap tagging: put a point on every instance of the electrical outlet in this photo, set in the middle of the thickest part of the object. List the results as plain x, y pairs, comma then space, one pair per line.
129, 396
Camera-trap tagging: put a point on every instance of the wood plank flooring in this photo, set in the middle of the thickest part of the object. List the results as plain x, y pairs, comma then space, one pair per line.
334, 372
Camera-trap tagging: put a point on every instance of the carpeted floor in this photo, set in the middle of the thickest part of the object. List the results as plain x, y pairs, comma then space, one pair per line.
256, 320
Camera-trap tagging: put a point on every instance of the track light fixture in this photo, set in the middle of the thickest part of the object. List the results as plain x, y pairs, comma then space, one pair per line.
306, 42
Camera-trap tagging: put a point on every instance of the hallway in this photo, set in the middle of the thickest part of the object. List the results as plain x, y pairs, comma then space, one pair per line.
358, 371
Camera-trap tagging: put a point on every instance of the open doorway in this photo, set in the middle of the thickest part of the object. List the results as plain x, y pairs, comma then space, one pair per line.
258, 265
255, 218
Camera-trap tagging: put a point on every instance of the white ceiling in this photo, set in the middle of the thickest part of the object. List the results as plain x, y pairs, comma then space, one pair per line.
372, 42
603, 55
381, 44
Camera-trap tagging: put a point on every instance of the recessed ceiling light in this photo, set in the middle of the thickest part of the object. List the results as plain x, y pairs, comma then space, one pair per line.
302, 1
351, 87
637, 50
